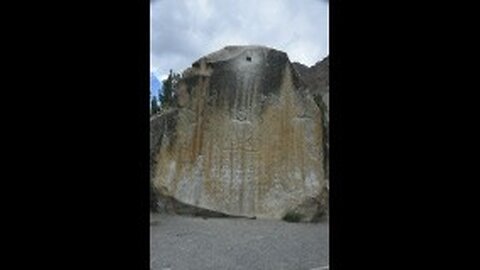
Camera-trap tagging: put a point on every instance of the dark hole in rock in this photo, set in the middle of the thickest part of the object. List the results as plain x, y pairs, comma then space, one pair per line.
249, 58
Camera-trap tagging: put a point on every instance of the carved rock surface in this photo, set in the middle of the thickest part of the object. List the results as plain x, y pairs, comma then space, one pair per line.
246, 138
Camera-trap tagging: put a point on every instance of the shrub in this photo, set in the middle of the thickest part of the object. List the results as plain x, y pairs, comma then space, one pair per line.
292, 217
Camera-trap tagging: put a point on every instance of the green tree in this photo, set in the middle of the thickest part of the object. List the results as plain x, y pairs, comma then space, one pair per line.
167, 99
154, 108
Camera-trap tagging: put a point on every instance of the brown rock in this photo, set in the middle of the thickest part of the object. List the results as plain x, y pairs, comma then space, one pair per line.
317, 81
245, 140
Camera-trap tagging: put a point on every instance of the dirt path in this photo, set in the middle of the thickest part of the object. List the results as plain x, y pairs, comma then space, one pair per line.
184, 243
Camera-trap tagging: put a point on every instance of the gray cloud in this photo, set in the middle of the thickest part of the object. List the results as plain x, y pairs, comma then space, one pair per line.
183, 31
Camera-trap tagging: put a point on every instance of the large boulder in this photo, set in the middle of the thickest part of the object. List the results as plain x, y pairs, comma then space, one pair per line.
246, 138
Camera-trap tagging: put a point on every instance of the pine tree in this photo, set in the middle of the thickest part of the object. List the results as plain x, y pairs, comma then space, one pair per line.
169, 86
154, 106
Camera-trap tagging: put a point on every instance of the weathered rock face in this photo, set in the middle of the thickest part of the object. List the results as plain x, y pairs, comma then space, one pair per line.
316, 79
245, 140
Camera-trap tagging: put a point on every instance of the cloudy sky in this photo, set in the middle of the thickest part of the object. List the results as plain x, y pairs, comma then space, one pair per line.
183, 31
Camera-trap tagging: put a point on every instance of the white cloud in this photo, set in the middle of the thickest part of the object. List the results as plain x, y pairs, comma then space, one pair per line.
183, 31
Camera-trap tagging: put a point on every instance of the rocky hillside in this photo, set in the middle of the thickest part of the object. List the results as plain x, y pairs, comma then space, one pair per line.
246, 139
316, 76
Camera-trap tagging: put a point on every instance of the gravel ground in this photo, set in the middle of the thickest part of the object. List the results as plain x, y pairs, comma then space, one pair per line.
184, 243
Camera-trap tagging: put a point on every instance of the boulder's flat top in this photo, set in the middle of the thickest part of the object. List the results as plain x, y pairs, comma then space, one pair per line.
179, 242
230, 52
